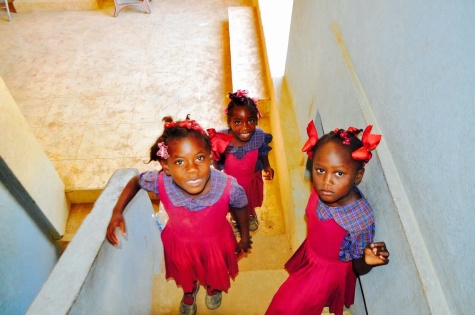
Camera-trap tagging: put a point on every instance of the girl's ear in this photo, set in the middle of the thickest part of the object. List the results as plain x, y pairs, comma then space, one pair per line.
165, 168
359, 176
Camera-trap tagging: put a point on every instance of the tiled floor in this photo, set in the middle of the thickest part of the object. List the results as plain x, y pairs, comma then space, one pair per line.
94, 88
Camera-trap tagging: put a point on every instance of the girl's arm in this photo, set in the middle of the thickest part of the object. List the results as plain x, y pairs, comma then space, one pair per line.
242, 219
117, 219
268, 170
375, 254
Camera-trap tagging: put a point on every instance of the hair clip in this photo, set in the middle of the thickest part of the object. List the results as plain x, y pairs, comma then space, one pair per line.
162, 151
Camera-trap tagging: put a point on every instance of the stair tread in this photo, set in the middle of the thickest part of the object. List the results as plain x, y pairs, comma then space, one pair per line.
77, 214
239, 300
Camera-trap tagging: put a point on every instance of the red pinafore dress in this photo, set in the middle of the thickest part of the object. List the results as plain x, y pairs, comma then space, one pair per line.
199, 245
317, 277
250, 180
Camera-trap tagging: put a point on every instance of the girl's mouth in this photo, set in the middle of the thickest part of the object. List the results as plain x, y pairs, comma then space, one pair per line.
326, 192
194, 182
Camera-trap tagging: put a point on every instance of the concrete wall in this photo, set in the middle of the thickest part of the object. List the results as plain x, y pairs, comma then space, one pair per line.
33, 210
30, 165
27, 255
408, 68
94, 277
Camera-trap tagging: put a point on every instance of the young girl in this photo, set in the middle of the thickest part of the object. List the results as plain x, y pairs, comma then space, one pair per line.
246, 156
199, 244
338, 246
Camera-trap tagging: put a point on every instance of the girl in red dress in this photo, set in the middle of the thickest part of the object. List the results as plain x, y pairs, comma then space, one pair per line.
339, 245
199, 244
246, 155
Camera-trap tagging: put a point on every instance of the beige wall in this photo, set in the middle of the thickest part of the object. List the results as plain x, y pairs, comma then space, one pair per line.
24, 156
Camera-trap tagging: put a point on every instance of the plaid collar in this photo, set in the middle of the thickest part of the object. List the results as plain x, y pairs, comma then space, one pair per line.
254, 143
353, 217
179, 198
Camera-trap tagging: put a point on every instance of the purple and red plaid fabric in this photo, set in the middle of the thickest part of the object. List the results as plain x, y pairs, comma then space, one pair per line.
179, 198
357, 219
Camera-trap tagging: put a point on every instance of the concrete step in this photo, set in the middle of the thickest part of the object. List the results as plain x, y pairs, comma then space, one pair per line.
247, 53
250, 294
77, 214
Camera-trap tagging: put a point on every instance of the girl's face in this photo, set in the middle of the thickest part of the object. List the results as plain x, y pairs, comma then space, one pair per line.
189, 165
334, 174
243, 124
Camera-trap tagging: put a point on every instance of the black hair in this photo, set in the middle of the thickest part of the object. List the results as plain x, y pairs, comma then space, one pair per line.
242, 100
178, 130
347, 139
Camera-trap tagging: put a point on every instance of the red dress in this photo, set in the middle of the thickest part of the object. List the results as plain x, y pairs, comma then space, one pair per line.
250, 180
318, 278
199, 245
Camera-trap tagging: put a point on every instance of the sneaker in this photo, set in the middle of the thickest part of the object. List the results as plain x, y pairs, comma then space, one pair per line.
213, 301
236, 230
186, 309
253, 223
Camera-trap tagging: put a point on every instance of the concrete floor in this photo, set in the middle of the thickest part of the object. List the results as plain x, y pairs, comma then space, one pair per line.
94, 88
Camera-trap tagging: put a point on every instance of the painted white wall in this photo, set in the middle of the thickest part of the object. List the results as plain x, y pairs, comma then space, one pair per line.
27, 256
26, 159
415, 66
33, 210
94, 277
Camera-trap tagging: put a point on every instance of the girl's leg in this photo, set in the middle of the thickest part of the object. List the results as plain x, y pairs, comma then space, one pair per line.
188, 302
213, 298
253, 222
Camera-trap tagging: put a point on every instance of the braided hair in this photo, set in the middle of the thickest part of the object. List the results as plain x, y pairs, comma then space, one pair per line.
240, 98
178, 130
348, 139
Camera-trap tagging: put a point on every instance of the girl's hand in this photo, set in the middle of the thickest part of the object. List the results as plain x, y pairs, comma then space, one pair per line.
117, 220
376, 254
268, 173
244, 244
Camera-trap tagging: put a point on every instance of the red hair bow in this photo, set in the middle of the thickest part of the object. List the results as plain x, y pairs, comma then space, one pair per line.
219, 142
188, 124
312, 139
370, 142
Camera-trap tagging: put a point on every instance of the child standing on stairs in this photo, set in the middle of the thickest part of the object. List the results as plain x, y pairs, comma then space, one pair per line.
339, 245
199, 244
246, 155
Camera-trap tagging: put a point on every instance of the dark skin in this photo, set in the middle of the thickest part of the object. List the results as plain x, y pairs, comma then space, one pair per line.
189, 166
334, 174
242, 124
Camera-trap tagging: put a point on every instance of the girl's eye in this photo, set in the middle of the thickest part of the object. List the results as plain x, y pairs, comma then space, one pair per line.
319, 171
179, 162
201, 158
237, 122
252, 121
339, 174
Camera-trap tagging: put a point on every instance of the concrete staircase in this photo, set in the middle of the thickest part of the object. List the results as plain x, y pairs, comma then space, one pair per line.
261, 270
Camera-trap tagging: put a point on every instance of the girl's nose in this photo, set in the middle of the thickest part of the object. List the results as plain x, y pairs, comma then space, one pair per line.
191, 167
327, 179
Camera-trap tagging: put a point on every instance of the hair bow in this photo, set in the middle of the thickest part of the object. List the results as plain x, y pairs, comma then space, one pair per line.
219, 142
162, 151
312, 139
242, 93
188, 124
370, 142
